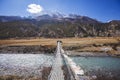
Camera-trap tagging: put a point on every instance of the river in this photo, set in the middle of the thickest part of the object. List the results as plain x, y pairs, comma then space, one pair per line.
24, 65
100, 66
31, 64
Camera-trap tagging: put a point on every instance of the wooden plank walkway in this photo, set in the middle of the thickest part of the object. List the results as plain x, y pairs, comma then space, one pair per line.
75, 71
57, 72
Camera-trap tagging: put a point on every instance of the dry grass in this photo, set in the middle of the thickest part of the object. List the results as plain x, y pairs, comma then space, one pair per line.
66, 41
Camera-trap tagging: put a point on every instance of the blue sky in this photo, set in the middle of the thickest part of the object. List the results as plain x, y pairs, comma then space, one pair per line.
102, 10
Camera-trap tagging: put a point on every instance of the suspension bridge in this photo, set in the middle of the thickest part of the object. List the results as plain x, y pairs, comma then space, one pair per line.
75, 72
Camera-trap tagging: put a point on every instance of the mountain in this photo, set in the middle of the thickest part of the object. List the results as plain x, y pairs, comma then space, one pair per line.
82, 19
56, 26
71, 17
17, 29
9, 18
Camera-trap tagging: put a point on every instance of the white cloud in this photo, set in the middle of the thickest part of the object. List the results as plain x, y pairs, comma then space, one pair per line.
34, 9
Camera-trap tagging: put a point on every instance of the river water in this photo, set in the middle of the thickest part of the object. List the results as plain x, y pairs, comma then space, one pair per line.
24, 65
105, 66
31, 64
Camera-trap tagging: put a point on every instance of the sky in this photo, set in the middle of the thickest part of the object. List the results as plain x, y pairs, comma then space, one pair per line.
102, 10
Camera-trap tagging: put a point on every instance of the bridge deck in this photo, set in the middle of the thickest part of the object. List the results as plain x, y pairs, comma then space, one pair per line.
57, 72
73, 69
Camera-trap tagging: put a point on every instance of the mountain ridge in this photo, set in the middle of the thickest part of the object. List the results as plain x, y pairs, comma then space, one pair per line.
55, 26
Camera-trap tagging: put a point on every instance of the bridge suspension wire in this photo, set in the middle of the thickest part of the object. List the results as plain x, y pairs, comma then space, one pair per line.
57, 72
75, 72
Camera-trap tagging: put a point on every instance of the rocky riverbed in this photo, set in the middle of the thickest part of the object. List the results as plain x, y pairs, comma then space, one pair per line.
26, 49
88, 50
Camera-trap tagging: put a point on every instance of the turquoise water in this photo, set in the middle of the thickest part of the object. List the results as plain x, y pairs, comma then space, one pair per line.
103, 64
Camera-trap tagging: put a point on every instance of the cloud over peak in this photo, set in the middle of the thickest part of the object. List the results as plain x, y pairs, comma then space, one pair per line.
34, 8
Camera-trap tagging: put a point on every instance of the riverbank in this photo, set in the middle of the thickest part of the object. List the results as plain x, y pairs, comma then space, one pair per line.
36, 49
105, 46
